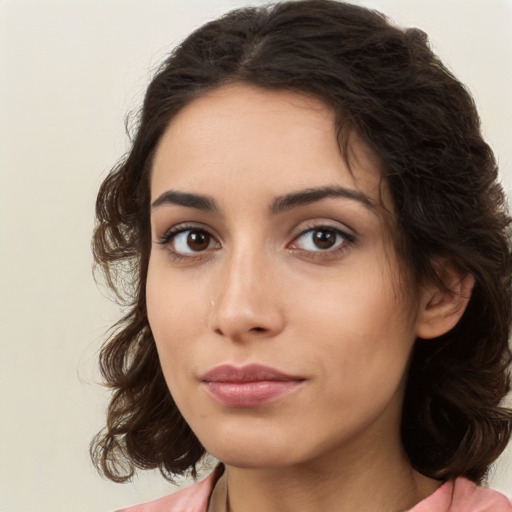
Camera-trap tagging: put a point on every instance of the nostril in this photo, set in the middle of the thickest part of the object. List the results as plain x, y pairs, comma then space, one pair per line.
254, 330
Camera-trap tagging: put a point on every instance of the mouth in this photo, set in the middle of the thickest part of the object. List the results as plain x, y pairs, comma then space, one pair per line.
248, 386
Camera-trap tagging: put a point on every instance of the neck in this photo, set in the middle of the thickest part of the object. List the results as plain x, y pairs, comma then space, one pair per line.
375, 480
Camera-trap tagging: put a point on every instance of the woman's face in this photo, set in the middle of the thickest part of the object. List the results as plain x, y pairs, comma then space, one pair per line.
274, 290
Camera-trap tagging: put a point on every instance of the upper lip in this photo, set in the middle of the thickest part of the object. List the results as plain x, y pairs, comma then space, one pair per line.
247, 373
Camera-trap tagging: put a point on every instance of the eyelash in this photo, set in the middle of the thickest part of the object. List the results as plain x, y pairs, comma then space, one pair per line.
347, 241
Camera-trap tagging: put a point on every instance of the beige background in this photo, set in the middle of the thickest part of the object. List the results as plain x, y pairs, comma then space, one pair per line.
69, 72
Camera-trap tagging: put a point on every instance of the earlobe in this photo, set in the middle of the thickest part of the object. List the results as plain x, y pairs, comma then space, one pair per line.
442, 307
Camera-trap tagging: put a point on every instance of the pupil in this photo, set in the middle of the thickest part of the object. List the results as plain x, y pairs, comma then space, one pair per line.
324, 239
198, 241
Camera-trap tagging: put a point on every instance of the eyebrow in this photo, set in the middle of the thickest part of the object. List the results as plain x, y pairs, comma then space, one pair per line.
280, 205
312, 195
196, 201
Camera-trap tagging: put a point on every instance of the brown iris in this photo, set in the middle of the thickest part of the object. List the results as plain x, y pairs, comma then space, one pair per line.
198, 240
324, 239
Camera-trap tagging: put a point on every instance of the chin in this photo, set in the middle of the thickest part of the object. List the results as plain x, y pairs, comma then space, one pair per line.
246, 451
255, 459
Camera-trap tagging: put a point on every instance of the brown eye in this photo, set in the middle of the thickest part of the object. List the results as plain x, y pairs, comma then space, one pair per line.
191, 241
198, 240
324, 238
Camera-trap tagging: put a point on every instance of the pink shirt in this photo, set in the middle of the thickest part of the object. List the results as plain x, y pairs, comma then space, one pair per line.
459, 496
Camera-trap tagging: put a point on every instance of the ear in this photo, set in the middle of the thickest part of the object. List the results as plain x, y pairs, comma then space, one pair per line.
442, 307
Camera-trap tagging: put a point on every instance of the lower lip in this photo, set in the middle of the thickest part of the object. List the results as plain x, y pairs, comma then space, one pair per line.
250, 394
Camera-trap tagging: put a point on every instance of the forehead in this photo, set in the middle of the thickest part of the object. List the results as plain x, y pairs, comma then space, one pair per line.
274, 138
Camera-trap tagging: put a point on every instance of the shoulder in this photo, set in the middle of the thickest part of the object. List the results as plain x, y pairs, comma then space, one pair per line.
462, 495
191, 499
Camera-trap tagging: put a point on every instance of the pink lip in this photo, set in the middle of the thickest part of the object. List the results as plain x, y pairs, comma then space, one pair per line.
248, 386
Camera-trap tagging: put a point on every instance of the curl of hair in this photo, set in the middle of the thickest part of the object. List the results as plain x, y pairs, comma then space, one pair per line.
387, 84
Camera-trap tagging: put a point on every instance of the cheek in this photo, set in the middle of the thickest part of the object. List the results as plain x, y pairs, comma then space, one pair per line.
363, 333
172, 298
177, 314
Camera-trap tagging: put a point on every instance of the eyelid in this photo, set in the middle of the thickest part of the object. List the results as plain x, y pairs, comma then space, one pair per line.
311, 225
343, 234
176, 229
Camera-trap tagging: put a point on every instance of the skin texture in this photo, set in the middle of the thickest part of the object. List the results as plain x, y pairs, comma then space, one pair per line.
257, 289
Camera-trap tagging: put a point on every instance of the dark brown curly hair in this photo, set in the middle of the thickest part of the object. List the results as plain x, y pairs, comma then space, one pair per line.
387, 84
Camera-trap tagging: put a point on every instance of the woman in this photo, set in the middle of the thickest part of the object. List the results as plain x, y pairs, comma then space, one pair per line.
320, 263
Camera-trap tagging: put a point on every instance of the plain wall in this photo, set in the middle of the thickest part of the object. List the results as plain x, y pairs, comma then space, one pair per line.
69, 72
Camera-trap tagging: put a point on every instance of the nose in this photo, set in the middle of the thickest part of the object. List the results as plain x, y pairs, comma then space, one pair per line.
245, 302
